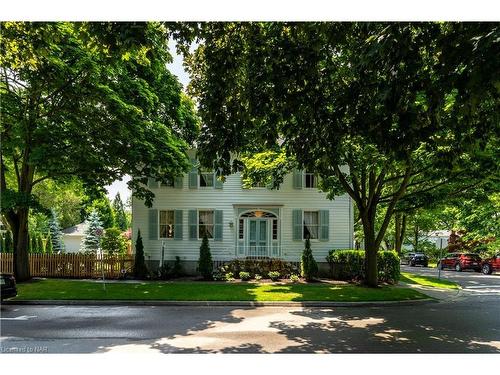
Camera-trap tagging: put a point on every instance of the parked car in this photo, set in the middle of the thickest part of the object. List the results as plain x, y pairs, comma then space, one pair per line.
461, 261
491, 264
415, 259
8, 283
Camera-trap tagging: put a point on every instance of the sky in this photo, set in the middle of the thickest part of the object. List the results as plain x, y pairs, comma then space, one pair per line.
120, 186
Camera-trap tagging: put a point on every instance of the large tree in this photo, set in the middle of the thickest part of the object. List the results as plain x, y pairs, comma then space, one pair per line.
383, 112
91, 100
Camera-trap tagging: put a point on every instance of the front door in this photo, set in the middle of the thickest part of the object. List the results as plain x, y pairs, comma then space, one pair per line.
258, 243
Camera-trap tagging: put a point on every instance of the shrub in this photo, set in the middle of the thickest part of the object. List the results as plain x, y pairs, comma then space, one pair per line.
113, 241
205, 264
308, 266
259, 267
245, 276
294, 278
219, 276
140, 269
229, 276
350, 265
169, 271
258, 277
274, 275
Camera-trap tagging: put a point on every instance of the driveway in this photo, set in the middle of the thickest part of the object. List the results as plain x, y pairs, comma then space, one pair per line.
469, 323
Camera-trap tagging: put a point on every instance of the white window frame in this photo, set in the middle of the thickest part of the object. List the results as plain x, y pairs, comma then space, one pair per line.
318, 226
160, 224
304, 180
198, 222
213, 180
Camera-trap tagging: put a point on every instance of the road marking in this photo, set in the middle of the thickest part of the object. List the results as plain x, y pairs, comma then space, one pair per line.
22, 317
482, 287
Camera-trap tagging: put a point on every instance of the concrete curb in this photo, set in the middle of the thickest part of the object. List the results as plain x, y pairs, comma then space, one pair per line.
220, 303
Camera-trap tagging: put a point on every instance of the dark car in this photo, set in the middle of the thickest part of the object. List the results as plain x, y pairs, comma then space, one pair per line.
491, 264
461, 261
8, 283
415, 259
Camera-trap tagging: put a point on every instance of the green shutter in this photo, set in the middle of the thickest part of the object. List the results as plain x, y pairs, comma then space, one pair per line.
193, 224
297, 225
324, 223
178, 225
152, 183
153, 224
297, 179
178, 181
217, 183
218, 225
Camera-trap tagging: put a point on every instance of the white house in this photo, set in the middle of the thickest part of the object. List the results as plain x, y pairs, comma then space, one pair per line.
256, 222
72, 237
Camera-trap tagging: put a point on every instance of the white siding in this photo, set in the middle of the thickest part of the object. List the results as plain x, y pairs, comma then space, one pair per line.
287, 198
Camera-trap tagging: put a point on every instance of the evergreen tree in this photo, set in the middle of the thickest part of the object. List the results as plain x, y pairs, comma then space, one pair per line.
90, 242
105, 211
39, 245
2, 244
113, 242
48, 244
308, 266
205, 265
140, 269
55, 233
9, 243
119, 211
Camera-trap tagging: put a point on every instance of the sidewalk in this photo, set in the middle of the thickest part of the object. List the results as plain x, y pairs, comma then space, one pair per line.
433, 292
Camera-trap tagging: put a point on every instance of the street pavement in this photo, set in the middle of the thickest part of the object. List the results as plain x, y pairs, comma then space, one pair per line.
467, 322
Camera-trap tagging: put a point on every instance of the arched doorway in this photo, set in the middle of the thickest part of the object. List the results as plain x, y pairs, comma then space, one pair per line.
258, 234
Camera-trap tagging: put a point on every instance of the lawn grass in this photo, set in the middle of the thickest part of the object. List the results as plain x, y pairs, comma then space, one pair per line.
411, 278
51, 289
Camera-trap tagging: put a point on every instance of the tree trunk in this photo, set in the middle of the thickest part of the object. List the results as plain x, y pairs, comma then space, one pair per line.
415, 241
371, 249
20, 235
400, 226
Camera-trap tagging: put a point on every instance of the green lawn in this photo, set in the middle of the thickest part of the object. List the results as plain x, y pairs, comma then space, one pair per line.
51, 289
411, 278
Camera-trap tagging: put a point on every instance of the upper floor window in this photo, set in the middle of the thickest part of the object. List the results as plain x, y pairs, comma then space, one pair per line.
311, 180
206, 223
206, 179
169, 183
311, 225
167, 224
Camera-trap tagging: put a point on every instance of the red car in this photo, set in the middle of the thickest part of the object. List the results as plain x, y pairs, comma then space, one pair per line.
461, 261
491, 264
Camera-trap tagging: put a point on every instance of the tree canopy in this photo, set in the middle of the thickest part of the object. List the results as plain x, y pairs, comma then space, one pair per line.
91, 100
389, 113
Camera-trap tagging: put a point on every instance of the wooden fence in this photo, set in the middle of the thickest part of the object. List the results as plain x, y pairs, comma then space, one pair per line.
73, 265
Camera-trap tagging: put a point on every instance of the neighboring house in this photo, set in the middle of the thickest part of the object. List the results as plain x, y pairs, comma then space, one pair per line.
439, 238
256, 222
73, 236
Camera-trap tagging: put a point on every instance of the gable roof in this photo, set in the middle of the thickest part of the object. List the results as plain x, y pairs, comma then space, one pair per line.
75, 230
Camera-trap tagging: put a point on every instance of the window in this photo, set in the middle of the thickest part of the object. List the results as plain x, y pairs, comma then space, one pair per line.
167, 224
311, 225
206, 223
275, 229
206, 179
311, 180
241, 229
168, 183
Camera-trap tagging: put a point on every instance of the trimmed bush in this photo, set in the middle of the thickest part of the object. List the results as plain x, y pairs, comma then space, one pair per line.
205, 264
229, 276
258, 277
294, 278
245, 276
140, 269
274, 275
308, 266
259, 267
350, 265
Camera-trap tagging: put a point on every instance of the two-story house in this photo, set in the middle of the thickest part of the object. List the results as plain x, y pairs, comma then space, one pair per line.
240, 222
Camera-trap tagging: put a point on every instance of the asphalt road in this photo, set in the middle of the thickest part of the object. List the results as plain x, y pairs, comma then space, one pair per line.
468, 323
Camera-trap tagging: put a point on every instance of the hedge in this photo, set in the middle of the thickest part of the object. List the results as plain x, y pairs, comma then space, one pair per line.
350, 265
